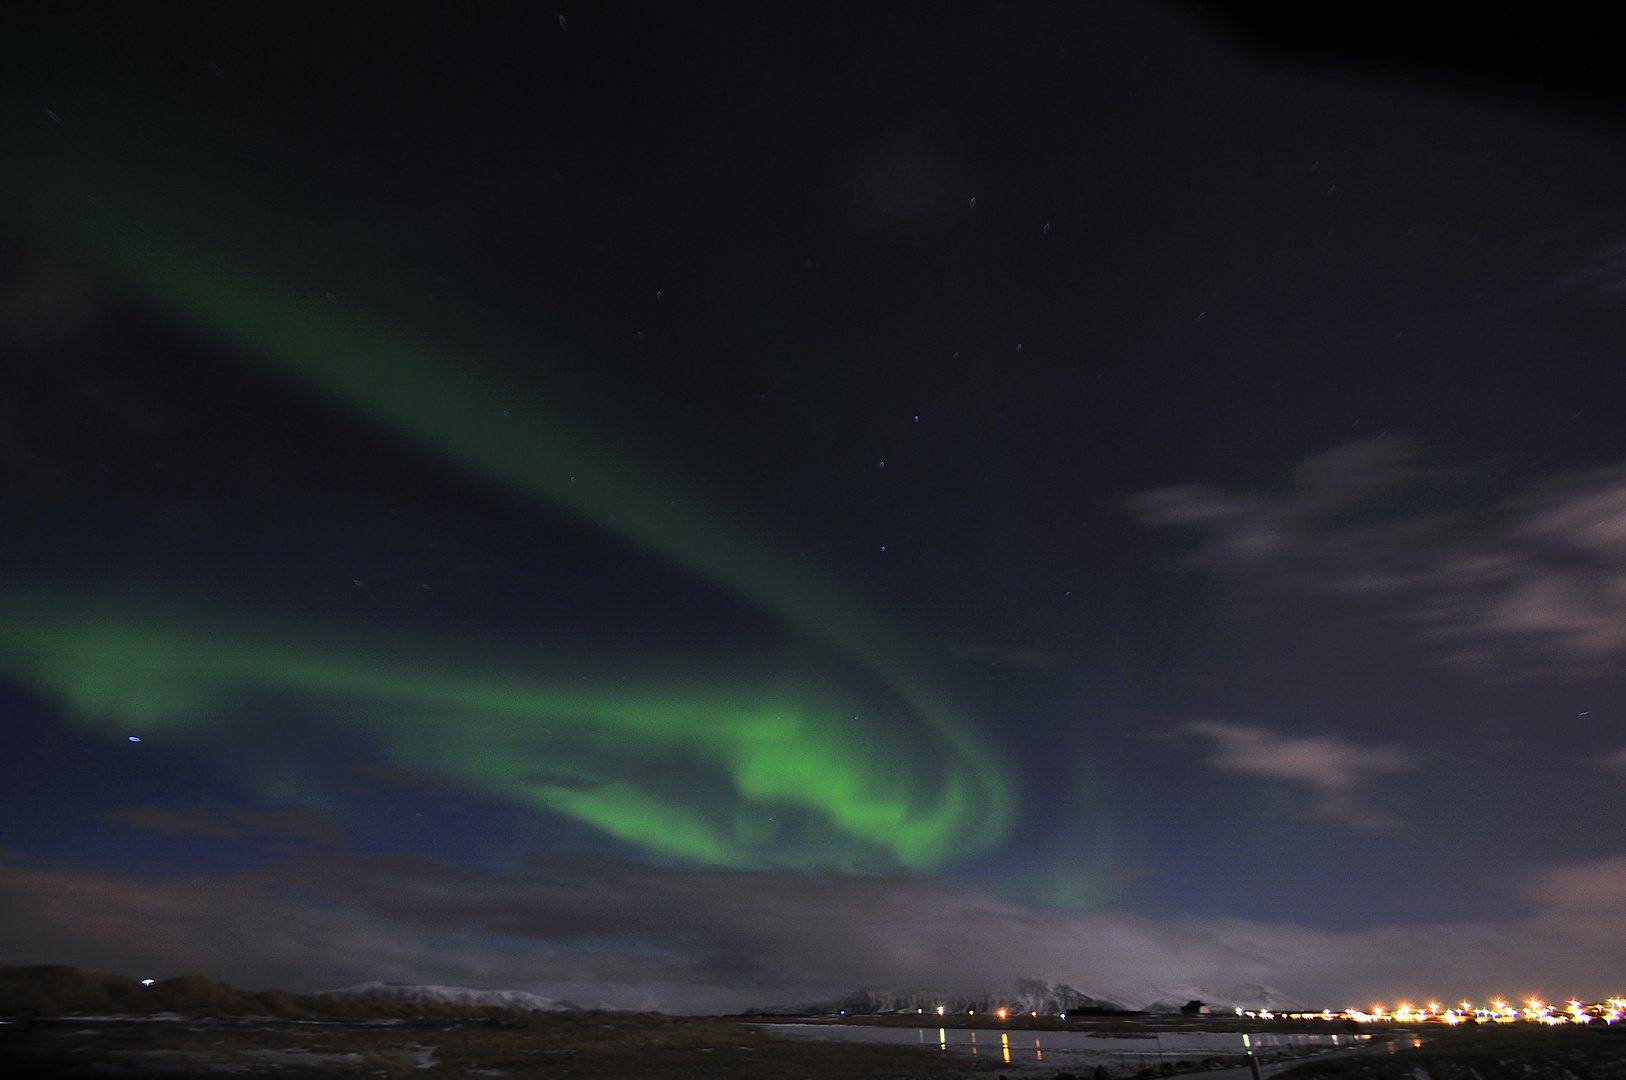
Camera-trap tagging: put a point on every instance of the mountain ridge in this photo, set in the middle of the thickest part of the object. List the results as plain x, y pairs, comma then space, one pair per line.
418, 993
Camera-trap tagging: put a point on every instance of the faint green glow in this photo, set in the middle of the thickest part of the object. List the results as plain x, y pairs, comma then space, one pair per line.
775, 753
743, 775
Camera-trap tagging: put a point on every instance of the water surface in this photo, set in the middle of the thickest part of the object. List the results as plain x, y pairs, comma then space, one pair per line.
1091, 1048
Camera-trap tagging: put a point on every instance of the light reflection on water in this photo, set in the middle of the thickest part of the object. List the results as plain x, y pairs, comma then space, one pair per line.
1106, 1048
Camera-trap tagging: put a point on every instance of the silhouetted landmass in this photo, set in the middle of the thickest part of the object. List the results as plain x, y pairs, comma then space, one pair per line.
55, 990
1018, 998
94, 1024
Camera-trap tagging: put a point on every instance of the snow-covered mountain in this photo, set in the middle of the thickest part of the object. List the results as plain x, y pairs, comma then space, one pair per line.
1044, 998
1171, 998
1020, 996
1023, 995
451, 995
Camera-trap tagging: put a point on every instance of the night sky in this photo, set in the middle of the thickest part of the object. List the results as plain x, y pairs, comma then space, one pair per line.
709, 506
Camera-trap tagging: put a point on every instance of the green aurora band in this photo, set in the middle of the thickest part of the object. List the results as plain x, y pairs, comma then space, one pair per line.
770, 778
779, 754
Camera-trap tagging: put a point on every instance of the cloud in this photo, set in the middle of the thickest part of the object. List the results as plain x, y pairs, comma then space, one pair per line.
1615, 762
1601, 276
904, 176
1006, 656
1332, 768
1532, 584
48, 304
1591, 887
596, 928
229, 823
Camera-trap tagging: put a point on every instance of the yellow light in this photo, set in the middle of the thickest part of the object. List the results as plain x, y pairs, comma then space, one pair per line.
1001, 1013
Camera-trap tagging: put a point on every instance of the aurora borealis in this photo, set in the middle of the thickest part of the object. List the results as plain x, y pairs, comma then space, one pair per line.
682, 771
700, 509
779, 760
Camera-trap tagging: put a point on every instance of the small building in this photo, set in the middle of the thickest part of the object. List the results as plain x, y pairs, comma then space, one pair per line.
1194, 1008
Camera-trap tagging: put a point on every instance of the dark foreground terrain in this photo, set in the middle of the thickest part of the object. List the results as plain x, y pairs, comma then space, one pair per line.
61, 1022
584, 1044
1496, 1052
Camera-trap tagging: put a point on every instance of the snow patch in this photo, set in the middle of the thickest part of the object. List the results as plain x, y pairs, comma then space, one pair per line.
1021, 996
449, 995
1256, 996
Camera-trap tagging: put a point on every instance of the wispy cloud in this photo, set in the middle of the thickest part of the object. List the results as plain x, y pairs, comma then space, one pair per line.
1614, 762
1602, 275
1586, 887
49, 304
229, 823
596, 928
1331, 768
1006, 656
1535, 583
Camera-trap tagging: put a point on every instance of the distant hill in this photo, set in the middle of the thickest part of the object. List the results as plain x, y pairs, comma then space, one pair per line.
57, 990
1223, 999
449, 995
1034, 995
1021, 996
53, 990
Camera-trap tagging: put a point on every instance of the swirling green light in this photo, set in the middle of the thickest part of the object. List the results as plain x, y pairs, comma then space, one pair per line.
761, 775
775, 753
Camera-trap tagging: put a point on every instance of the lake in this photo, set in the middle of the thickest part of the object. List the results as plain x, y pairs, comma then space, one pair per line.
1075, 1049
